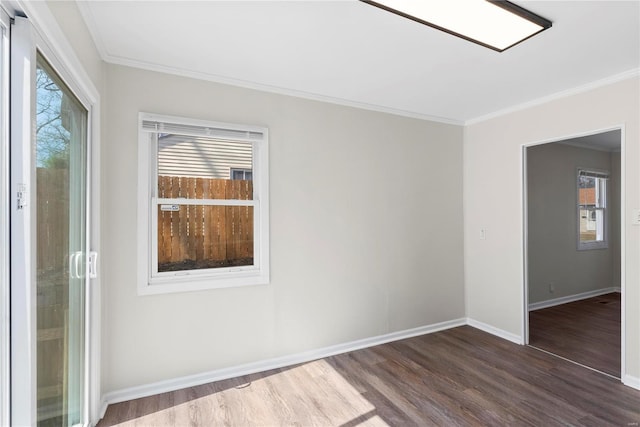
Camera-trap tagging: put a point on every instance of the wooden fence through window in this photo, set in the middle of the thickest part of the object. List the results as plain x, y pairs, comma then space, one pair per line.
52, 265
207, 235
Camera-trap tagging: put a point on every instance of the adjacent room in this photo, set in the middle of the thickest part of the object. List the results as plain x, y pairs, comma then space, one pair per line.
326, 213
573, 256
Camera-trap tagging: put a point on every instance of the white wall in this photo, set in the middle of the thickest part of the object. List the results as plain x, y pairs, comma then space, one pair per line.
552, 223
366, 232
71, 23
493, 200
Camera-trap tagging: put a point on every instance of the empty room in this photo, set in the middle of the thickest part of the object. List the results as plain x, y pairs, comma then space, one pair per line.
329, 213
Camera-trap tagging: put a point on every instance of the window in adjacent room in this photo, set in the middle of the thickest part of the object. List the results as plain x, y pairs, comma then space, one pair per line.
592, 209
205, 212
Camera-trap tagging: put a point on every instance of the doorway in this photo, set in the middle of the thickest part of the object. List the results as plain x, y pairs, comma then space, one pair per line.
573, 275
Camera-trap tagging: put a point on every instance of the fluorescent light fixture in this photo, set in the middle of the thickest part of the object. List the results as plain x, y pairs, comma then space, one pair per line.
496, 24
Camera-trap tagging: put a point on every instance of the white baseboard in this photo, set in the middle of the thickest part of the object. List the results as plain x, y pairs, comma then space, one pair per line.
571, 298
265, 365
495, 331
630, 381
103, 408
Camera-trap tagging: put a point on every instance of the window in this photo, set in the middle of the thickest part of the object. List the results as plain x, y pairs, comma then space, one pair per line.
245, 174
203, 211
592, 209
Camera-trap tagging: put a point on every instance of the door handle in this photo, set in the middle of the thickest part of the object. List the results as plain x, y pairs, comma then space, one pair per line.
75, 265
72, 260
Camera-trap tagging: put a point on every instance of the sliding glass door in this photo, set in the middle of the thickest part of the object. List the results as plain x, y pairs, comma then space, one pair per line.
61, 170
49, 240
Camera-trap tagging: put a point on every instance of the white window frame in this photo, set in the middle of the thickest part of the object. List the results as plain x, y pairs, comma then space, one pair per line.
598, 244
149, 280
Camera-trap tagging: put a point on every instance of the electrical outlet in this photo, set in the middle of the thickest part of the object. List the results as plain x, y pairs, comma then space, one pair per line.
552, 288
483, 234
635, 217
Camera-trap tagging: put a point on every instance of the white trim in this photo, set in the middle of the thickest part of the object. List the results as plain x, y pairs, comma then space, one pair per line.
633, 382
571, 298
277, 90
103, 408
95, 289
275, 363
562, 138
205, 202
525, 242
623, 262
495, 331
629, 74
134, 63
23, 293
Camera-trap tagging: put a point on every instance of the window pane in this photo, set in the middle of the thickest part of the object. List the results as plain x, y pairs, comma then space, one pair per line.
201, 168
241, 174
192, 237
587, 191
591, 225
593, 191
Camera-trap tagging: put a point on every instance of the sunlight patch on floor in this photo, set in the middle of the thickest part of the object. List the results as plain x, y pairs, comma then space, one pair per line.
312, 394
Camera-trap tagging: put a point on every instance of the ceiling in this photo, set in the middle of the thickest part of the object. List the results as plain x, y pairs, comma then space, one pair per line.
605, 141
355, 54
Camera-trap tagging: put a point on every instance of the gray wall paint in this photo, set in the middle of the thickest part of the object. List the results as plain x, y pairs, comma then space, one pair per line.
356, 252
552, 215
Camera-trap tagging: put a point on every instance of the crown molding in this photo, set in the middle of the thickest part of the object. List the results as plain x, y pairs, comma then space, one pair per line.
275, 89
629, 74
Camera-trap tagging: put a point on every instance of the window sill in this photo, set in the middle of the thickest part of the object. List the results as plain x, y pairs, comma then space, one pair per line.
192, 283
593, 246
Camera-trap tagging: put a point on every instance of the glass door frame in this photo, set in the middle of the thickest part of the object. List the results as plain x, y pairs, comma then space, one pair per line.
26, 41
5, 27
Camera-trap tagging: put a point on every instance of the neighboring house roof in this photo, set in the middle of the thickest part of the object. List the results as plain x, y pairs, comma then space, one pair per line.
188, 156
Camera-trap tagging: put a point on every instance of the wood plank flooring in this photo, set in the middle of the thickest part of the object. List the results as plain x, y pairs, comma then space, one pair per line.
460, 376
586, 331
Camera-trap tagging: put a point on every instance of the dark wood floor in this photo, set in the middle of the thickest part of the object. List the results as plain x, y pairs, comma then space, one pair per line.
586, 331
461, 376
